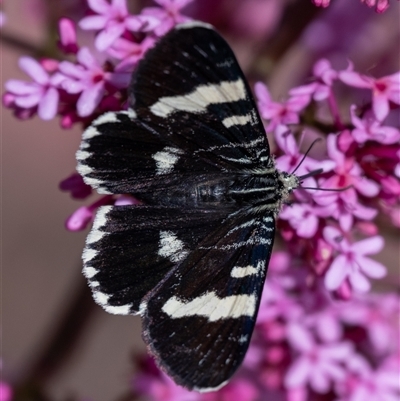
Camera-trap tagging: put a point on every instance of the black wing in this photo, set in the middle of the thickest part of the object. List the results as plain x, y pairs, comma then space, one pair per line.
199, 320
193, 114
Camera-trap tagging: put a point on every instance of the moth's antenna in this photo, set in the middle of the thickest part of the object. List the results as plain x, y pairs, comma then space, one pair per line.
329, 189
310, 174
305, 155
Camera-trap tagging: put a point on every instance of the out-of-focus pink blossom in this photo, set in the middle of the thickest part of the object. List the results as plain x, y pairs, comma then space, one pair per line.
380, 5
377, 315
158, 386
347, 173
130, 53
41, 94
279, 113
321, 3
370, 129
89, 80
344, 211
67, 33
112, 20
6, 391
84, 215
240, 389
291, 158
320, 89
319, 365
168, 16
302, 217
351, 262
384, 90
74, 184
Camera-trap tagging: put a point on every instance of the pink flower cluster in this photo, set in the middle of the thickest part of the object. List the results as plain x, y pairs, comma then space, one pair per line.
95, 82
379, 5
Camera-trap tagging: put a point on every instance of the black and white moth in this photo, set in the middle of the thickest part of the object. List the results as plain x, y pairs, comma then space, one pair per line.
192, 259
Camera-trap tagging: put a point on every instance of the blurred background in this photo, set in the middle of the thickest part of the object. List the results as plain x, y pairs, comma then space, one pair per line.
276, 41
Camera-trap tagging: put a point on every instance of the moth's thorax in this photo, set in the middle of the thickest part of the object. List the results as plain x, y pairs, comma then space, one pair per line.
256, 191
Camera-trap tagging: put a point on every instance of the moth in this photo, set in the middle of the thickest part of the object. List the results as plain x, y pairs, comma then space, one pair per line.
191, 259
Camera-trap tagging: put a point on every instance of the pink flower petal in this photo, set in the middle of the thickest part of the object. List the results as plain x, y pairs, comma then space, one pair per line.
369, 246
380, 105
18, 87
95, 22
28, 101
366, 186
359, 281
31, 67
120, 7
371, 267
319, 382
90, 99
355, 79
71, 70
48, 105
99, 6
298, 373
108, 36
299, 337
86, 58
331, 235
336, 273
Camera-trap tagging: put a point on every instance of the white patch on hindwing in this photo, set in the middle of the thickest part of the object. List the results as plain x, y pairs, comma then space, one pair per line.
237, 120
171, 247
201, 97
166, 159
212, 307
249, 270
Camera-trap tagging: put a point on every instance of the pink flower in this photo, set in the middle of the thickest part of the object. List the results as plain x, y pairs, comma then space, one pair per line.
112, 20
239, 389
279, 113
318, 364
348, 173
169, 15
380, 5
303, 217
384, 90
344, 211
378, 315
41, 94
84, 215
292, 157
67, 32
129, 52
321, 88
89, 80
321, 3
370, 129
351, 261
6, 391
376, 385
74, 183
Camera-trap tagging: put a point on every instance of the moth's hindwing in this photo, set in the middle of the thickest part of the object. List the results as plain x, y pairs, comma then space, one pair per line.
199, 321
131, 249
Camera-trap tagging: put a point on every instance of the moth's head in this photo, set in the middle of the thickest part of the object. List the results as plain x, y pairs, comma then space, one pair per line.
290, 181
